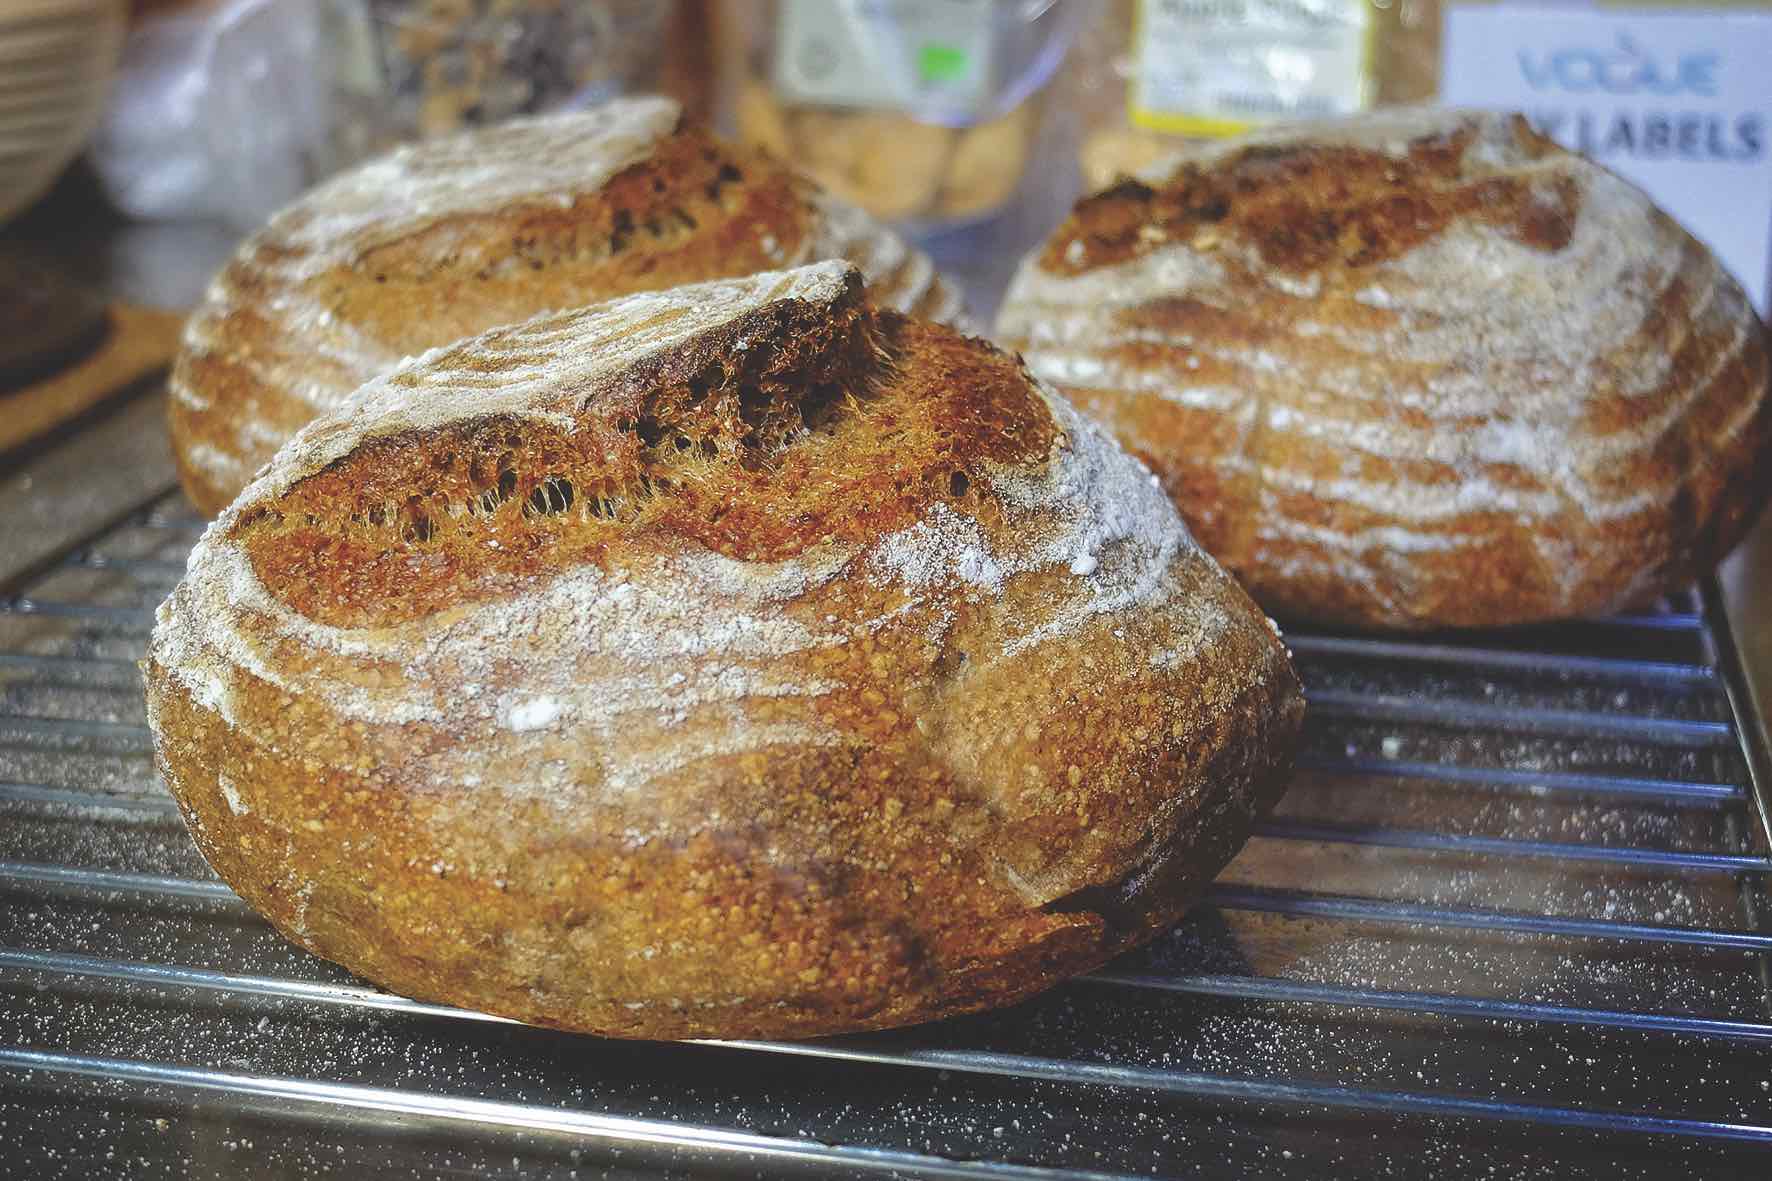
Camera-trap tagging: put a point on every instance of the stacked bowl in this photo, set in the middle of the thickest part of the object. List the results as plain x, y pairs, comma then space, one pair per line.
57, 58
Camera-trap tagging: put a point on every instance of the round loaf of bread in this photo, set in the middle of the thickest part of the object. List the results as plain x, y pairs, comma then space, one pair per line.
738, 660
1414, 369
447, 238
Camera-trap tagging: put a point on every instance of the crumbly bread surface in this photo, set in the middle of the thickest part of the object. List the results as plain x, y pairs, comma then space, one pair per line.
444, 239
738, 660
1418, 368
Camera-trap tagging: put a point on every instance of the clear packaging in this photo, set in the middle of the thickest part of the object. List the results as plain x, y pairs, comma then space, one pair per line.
1150, 73
230, 110
923, 112
407, 69
218, 112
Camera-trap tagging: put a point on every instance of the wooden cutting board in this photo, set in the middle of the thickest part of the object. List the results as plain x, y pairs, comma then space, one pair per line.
141, 341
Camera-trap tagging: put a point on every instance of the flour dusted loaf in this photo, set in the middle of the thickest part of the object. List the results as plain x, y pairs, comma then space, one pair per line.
735, 660
1415, 369
448, 238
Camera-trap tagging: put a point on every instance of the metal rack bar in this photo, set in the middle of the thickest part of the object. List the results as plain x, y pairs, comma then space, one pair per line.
1374, 910
1259, 988
1754, 755
1187, 1083
1571, 782
178, 976
1621, 668
1684, 621
140, 735
1267, 988
109, 881
141, 618
154, 567
58, 661
178, 522
70, 681
37, 793
1435, 842
1483, 715
725, 1143
1256, 1091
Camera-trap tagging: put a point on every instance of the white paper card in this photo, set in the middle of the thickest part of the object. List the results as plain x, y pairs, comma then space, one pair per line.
1243, 62
1678, 102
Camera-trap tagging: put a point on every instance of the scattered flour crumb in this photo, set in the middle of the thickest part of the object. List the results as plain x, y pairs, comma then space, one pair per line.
232, 795
535, 714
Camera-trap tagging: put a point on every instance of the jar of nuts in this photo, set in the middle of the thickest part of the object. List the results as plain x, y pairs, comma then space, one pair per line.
923, 112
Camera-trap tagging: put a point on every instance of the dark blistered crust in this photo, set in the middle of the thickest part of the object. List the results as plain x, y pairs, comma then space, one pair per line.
1309, 206
693, 447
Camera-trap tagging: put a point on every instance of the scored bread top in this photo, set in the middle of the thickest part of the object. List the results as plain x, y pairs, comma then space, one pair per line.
582, 559
1373, 357
439, 240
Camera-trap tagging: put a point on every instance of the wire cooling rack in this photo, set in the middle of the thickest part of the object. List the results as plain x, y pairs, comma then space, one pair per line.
1509, 921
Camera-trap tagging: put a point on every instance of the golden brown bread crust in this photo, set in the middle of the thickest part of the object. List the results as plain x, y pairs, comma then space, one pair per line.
446, 239
1414, 369
799, 668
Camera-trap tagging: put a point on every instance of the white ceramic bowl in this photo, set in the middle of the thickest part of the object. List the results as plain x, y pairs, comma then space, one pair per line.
57, 59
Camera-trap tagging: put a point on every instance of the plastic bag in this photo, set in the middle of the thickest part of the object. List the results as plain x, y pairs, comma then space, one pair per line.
926, 115
218, 112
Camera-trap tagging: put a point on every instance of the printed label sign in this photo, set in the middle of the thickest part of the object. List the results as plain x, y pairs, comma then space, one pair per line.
1215, 67
912, 55
1679, 103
